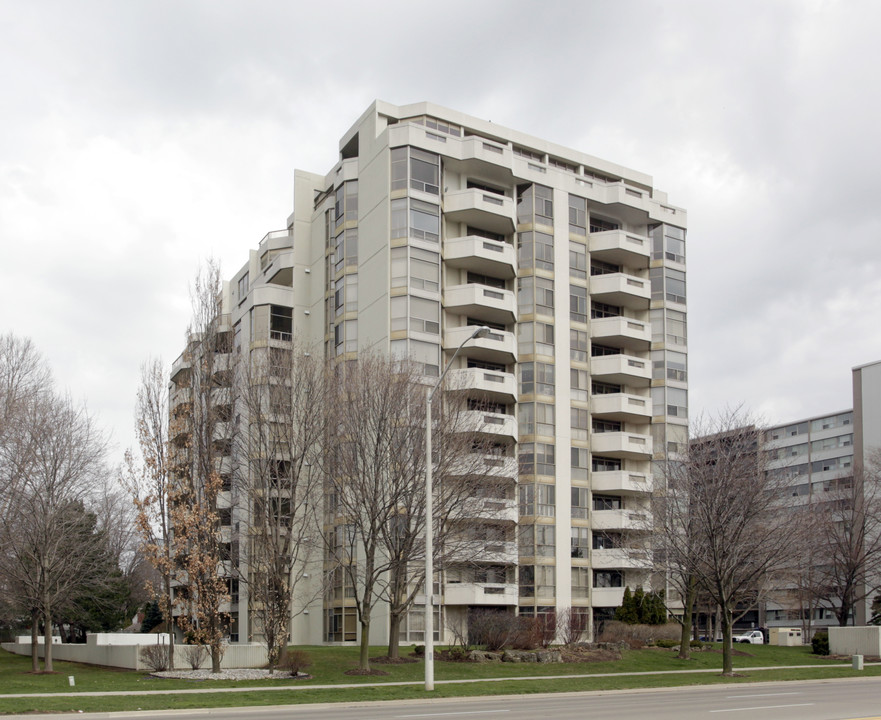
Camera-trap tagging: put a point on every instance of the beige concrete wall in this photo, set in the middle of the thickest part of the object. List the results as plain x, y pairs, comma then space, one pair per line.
128, 656
855, 640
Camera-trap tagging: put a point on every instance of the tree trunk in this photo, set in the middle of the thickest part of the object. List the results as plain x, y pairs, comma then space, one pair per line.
47, 649
364, 657
216, 657
393, 634
35, 640
685, 636
727, 660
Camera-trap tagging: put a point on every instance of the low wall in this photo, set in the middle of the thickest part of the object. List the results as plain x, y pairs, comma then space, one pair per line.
855, 640
129, 656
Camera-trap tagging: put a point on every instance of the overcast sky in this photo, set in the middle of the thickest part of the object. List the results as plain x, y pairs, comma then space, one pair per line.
140, 137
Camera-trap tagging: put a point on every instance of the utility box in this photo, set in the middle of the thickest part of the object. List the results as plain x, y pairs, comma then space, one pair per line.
785, 637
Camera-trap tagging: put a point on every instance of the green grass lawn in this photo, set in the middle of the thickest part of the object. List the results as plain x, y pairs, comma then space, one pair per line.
329, 664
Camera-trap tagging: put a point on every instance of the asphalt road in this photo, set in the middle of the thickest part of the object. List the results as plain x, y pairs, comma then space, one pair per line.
846, 699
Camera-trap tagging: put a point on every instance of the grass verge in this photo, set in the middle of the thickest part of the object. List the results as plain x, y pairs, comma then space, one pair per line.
330, 663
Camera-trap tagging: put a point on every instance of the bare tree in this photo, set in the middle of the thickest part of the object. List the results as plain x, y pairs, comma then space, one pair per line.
55, 452
677, 543
736, 511
847, 522
283, 395
202, 457
377, 487
148, 478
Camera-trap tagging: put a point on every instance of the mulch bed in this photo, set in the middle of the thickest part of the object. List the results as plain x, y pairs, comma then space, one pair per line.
359, 671
386, 660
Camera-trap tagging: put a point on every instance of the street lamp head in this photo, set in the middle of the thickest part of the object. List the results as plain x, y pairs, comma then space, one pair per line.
481, 332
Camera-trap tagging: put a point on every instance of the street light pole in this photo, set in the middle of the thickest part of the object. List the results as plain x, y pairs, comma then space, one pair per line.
480, 332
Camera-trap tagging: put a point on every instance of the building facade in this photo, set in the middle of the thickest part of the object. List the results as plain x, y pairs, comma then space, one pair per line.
431, 224
816, 455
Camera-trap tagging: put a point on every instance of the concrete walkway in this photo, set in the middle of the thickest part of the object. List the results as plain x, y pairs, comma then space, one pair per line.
269, 688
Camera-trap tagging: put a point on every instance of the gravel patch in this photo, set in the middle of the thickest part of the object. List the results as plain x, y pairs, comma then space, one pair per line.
229, 674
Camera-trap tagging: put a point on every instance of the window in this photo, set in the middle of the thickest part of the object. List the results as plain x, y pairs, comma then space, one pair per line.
578, 384
604, 464
399, 226
606, 541
602, 350
424, 221
579, 421
399, 168
608, 579
577, 261
577, 215
535, 250
675, 285
677, 402
577, 304
346, 203
602, 388
535, 204
578, 345
536, 458
607, 502
535, 338
579, 463
580, 502
424, 315
547, 500
600, 225
424, 269
580, 542
536, 378
424, 171
602, 310
580, 584
598, 267
668, 243
545, 540
536, 419
243, 286
604, 426
535, 295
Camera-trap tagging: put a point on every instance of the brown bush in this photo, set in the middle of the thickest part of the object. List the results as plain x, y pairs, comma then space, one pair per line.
492, 628
155, 657
637, 636
294, 662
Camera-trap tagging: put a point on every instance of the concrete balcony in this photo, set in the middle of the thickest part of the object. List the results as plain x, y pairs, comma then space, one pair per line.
481, 255
622, 407
499, 346
496, 509
619, 558
480, 594
502, 552
481, 302
620, 481
621, 289
622, 445
621, 370
496, 386
499, 466
273, 295
620, 520
490, 423
621, 248
480, 209
607, 597
621, 332
181, 369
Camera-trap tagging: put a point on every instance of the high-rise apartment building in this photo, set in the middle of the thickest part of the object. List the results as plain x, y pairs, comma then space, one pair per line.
431, 224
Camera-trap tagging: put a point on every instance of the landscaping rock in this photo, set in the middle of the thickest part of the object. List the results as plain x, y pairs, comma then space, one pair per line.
482, 656
532, 656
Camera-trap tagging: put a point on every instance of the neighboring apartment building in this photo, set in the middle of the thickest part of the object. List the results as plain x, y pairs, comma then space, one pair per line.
817, 453
433, 223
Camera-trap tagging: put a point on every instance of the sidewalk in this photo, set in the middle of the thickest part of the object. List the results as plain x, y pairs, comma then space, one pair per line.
295, 688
